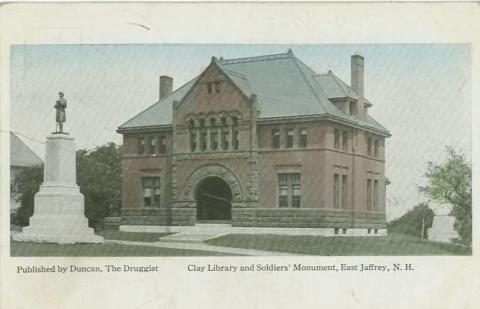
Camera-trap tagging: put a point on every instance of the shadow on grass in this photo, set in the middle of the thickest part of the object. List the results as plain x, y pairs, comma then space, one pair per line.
396, 245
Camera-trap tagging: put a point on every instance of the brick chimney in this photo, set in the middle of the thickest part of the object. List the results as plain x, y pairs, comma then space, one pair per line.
166, 86
357, 75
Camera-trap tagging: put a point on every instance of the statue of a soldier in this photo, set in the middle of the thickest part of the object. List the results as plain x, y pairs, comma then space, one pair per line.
60, 106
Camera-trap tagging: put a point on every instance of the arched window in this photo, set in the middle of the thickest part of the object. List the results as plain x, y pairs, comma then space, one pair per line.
213, 122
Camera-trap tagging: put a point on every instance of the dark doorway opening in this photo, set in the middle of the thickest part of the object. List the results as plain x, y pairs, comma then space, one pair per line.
214, 200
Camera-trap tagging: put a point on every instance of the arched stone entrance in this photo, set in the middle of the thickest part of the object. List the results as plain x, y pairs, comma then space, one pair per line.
214, 199
217, 186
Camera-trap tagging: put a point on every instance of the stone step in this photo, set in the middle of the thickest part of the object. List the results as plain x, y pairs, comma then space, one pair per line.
186, 237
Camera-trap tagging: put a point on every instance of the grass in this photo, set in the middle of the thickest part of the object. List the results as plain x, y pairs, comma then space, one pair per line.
397, 245
111, 250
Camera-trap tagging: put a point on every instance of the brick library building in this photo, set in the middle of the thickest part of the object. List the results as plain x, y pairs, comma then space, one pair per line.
257, 142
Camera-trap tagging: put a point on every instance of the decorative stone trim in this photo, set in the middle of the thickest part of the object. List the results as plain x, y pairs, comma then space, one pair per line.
213, 170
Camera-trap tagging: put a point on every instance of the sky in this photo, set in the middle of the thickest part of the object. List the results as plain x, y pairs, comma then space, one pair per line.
420, 92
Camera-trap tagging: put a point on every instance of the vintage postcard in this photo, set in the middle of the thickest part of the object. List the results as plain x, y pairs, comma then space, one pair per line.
183, 155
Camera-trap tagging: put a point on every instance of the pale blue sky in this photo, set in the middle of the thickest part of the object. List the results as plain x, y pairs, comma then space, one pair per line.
420, 92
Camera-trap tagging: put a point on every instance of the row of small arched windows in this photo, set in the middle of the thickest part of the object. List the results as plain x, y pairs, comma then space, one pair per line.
213, 134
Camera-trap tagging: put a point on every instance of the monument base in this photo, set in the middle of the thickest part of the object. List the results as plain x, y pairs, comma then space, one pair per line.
58, 217
442, 229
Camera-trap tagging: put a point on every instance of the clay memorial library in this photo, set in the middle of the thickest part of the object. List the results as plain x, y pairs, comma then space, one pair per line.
261, 142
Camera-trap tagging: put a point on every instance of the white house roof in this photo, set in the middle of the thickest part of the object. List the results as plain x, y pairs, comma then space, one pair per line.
21, 155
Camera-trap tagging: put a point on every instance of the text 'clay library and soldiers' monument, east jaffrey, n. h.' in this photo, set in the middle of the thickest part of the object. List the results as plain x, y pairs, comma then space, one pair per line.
257, 142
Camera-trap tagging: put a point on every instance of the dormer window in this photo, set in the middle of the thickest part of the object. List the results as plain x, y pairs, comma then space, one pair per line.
352, 108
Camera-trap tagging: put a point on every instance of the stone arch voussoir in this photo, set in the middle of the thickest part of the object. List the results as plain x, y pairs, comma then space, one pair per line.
215, 170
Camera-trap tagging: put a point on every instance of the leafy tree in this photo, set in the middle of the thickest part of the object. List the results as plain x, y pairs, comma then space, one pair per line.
26, 184
450, 182
411, 223
99, 178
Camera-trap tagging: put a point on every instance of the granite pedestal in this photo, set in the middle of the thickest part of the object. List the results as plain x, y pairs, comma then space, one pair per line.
59, 206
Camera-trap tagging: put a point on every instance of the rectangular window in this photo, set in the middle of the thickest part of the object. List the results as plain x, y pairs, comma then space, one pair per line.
162, 144
193, 141
369, 194
283, 190
141, 146
289, 190
303, 137
151, 191
369, 146
345, 140
296, 190
375, 148
337, 139
344, 191
375, 195
289, 138
275, 138
336, 191
151, 145
225, 139
217, 86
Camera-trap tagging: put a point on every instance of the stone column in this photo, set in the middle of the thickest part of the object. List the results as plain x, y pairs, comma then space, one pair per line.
209, 138
197, 137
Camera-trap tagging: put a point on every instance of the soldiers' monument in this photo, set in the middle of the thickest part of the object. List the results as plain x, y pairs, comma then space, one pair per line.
59, 206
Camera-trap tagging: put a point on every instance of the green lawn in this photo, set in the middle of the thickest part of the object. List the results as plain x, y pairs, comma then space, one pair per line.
341, 246
44, 249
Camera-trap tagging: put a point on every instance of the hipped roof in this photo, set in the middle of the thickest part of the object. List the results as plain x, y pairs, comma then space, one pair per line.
284, 85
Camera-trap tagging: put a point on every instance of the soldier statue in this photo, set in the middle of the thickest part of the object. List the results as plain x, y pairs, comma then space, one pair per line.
60, 106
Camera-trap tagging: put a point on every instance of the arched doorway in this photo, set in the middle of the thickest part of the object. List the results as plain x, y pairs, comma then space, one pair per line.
214, 199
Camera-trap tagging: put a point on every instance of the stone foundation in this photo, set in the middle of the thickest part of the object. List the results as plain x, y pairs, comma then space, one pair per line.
306, 218
185, 215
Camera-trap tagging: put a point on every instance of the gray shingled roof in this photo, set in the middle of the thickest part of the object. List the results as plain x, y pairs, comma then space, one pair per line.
21, 155
284, 86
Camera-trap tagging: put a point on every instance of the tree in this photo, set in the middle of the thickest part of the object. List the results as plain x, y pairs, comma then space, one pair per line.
411, 223
450, 182
26, 184
99, 178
